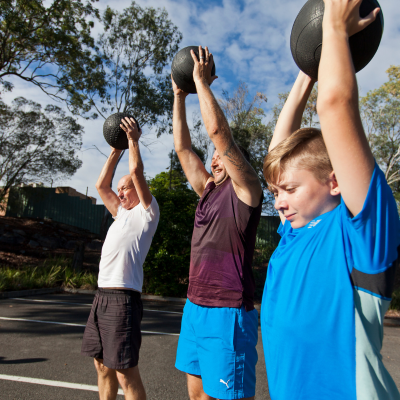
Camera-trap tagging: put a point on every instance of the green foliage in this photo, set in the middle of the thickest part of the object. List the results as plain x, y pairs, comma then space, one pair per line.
36, 143
53, 272
52, 48
380, 112
395, 303
262, 254
166, 269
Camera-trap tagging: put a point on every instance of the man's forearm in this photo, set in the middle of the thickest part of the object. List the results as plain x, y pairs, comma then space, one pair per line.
181, 132
106, 173
135, 160
214, 119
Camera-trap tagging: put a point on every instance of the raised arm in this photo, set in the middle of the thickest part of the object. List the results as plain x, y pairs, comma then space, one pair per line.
103, 184
244, 178
135, 161
193, 167
289, 120
337, 102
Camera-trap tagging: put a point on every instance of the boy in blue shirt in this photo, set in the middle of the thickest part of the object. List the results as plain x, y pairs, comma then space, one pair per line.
330, 280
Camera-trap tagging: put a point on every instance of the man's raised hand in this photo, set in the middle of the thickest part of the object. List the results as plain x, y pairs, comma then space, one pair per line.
130, 127
177, 91
344, 15
202, 68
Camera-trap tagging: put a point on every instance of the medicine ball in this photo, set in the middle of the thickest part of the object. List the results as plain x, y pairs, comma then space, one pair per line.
306, 37
182, 69
115, 136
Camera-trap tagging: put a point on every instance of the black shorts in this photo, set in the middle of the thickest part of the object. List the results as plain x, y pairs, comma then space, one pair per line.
112, 332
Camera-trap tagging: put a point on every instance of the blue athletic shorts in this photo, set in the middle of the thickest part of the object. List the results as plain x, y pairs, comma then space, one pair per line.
219, 344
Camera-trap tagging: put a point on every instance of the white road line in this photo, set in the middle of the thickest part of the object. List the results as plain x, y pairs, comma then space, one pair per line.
84, 304
52, 383
69, 324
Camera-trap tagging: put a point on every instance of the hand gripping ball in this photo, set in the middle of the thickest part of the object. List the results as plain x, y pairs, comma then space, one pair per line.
306, 37
115, 136
182, 69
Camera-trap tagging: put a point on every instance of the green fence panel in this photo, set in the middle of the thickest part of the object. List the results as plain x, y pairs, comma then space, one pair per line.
267, 229
42, 203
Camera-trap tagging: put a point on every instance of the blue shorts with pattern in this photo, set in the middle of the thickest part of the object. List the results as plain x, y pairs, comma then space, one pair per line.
219, 344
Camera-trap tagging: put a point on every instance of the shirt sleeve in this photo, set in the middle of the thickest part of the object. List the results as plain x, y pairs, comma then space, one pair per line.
374, 233
152, 213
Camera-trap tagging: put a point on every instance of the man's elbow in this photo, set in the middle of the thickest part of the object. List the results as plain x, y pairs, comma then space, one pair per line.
334, 100
215, 131
135, 172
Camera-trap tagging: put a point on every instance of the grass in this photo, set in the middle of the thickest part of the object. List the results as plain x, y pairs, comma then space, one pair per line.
53, 272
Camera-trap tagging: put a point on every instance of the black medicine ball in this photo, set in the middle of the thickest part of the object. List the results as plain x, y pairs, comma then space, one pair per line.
306, 37
115, 136
182, 69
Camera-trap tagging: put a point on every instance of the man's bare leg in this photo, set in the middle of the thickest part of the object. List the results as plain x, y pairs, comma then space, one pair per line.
195, 388
106, 380
131, 383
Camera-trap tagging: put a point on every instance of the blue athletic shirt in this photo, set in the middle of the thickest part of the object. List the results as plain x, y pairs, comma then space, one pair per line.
328, 287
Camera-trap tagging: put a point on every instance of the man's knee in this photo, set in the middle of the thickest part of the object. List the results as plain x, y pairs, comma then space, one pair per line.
102, 369
129, 378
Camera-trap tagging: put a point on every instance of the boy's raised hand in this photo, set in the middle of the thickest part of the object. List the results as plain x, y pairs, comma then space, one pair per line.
344, 15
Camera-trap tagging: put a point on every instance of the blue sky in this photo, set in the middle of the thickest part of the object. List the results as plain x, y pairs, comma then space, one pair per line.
250, 42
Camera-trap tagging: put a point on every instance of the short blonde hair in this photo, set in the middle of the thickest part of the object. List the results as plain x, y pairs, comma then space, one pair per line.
304, 149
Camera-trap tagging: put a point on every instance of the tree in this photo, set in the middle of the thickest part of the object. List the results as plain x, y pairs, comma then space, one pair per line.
310, 116
137, 44
166, 269
380, 112
52, 48
36, 144
246, 122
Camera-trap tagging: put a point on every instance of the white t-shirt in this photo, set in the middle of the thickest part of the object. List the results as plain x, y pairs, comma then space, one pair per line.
126, 246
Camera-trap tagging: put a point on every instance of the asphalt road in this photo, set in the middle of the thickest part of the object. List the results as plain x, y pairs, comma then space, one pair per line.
51, 352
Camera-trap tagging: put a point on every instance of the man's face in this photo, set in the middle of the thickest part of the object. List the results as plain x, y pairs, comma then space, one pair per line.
127, 193
218, 169
300, 196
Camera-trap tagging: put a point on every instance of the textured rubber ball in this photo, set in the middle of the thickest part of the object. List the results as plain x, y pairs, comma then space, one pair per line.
114, 135
306, 37
182, 69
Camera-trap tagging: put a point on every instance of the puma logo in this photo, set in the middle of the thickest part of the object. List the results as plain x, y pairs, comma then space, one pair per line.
225, 383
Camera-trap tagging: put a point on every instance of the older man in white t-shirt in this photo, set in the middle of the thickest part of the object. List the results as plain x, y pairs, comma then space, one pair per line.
112, 335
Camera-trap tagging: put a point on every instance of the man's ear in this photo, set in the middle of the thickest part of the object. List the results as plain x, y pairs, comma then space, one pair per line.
335, 190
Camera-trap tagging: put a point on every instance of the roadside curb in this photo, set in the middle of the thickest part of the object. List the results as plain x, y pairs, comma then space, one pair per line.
30, 292
388, 321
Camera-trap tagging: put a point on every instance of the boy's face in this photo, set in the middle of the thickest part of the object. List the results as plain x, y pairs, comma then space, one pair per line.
300, 196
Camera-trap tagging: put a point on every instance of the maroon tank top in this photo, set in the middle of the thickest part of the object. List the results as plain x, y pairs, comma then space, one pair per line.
223, 241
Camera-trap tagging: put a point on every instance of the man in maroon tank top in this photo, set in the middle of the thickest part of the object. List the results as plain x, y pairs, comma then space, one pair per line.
217, 344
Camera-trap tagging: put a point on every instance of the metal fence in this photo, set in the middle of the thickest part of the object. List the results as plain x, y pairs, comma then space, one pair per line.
40, 202
267, 229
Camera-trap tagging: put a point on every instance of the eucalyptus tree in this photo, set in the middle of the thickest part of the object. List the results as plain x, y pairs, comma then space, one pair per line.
52, 48
36, 144
380, 112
